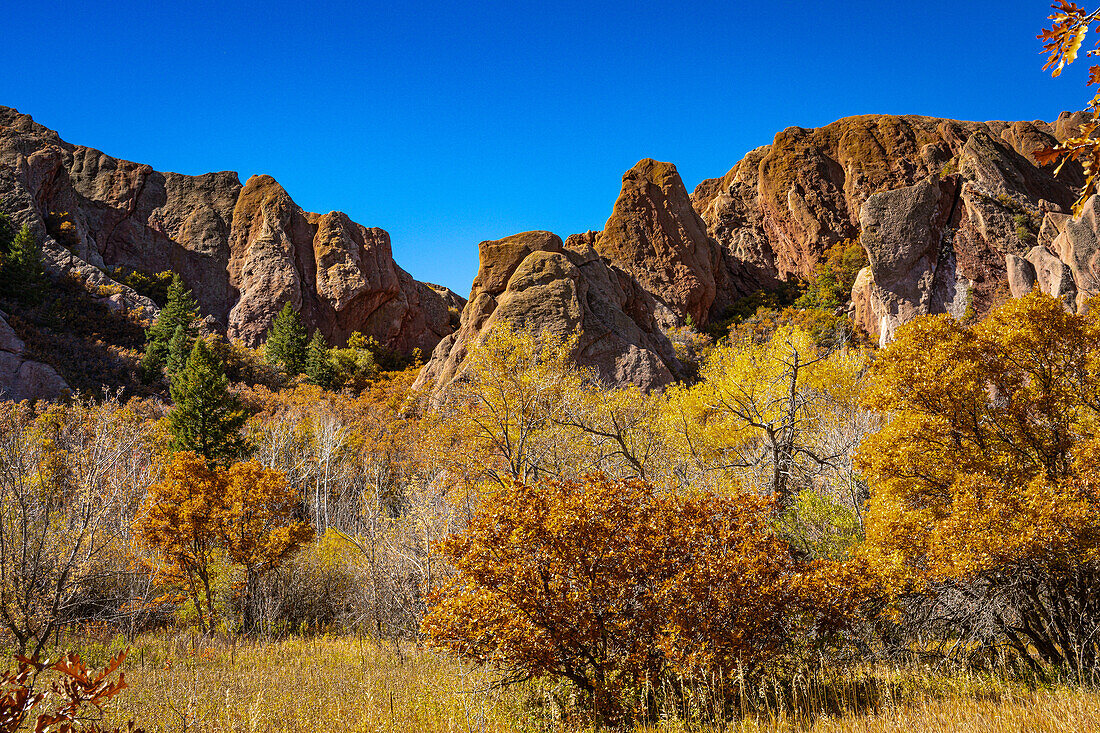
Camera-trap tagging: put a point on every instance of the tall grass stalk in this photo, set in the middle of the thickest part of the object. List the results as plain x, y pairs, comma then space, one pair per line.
182, 682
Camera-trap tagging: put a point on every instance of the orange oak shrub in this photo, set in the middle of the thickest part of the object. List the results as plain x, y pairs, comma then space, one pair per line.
1062, 42
75, 697
179, 522
986, 477
618, 586
257, 526
195, 514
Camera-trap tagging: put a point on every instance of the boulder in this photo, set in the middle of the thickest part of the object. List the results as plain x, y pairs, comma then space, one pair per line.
1052, 276
1022, 277
23, 378
912, 266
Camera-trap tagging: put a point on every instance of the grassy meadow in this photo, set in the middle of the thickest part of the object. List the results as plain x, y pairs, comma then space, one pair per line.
181, 682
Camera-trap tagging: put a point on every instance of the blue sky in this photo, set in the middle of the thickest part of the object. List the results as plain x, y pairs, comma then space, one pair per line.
450, 123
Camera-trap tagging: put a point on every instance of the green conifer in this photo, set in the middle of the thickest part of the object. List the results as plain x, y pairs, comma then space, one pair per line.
286, 342
179, 348
206, 418
319, 368
7, 233
180, 310
22, 276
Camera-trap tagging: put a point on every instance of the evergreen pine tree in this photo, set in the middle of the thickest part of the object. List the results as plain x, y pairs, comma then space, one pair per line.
286, 342
21, 274
7, 233
179, 348
206, 418
319, 368
180, 310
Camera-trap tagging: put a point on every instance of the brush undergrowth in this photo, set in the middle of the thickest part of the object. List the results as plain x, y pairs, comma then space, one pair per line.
182, 682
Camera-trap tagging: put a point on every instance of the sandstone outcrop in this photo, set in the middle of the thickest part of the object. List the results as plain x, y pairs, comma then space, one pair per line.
655, 235
785, 203
243, 250
1065, 263
874, 178
533, 280
1077, 247
1008, 233
782, 205
954, 217
911, 272
1041, 269
338, 274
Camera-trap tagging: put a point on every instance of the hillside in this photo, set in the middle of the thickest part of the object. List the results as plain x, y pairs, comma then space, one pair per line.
647, 475
245, 251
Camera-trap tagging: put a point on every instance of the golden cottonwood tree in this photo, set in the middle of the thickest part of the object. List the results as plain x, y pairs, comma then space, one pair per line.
619, 432
985, 476
525, 410
503, 410
762, 412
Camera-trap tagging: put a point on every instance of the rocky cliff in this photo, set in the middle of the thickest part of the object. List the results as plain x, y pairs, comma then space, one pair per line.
655, 234
783, 204
652, 269
244, 250
940, 206
533, 280
953, 216
21, 377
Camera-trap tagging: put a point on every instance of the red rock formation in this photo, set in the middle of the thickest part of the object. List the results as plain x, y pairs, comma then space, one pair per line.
946, 211
785, 203
244, 251
937, 204
655, 235
532, 280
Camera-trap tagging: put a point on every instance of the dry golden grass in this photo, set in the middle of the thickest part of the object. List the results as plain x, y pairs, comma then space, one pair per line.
178, 683
1063, 710
342, 684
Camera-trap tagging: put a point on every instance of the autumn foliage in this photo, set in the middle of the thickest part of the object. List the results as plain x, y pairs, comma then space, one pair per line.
74, 699
617, 586
986, 476
196, 514
1062, 42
